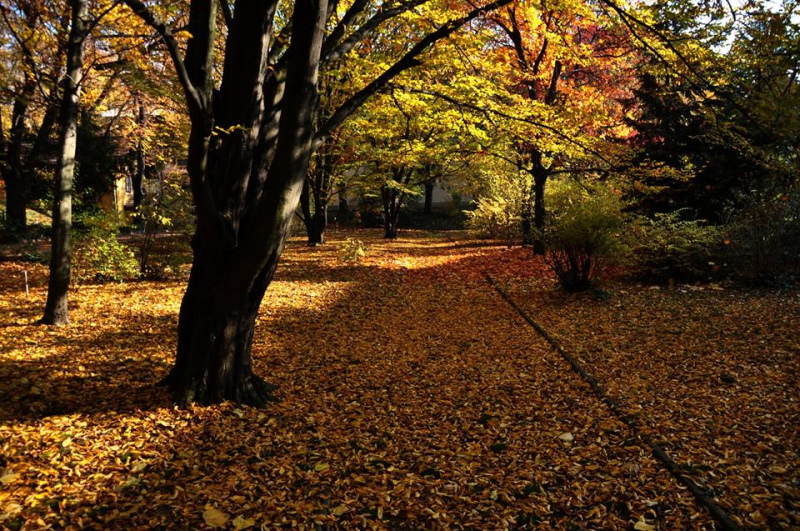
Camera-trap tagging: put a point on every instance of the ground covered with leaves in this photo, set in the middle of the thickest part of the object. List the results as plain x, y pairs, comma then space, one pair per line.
711, 371
412, 396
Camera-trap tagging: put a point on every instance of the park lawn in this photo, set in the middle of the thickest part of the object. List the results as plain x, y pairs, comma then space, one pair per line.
411, 396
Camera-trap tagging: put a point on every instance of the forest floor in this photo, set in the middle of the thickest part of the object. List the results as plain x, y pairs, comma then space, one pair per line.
412, 396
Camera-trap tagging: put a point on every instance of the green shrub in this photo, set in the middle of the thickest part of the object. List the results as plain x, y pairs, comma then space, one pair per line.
669, 248
495, 217
498, 208
582, 234
763, 237
166, 220
97, 255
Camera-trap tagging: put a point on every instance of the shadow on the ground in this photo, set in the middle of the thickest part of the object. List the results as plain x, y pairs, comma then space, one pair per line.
89, 370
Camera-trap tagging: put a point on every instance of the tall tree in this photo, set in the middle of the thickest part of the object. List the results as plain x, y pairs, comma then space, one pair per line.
561, 56
36, 36
725, 128
56, 310
249, 150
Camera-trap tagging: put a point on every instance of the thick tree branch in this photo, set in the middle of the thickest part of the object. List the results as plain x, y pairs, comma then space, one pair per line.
409, 60
193, 97
227, 14
487, 112
333, 50
632, 21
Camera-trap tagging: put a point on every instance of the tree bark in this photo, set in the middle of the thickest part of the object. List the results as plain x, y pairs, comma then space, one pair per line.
140, 163
393, 197
215, 331
320, 188
528, 200
319, 222
241, 230
315, 219
305, 208
2, 145
429, 197
16, 185
392, 203
343, 216
19, 170
539, 212
56, 309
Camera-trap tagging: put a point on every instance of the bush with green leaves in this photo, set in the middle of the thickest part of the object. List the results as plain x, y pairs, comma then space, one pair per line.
167, 221
668, 247
97, 254
498, 209
583, 233
763, 237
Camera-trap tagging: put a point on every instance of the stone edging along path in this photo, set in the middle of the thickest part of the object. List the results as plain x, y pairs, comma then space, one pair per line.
725, 522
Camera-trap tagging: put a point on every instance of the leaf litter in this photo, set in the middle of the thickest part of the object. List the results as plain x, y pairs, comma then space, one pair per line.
411, 396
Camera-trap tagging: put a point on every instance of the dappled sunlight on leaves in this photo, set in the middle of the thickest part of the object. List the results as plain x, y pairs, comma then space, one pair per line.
410, 396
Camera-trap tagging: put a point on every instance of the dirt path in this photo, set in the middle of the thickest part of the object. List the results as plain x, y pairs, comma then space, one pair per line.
412, 397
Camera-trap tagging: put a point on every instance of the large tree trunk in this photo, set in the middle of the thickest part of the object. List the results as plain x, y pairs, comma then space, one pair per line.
56, 310
215, 331
246, 184
539, 212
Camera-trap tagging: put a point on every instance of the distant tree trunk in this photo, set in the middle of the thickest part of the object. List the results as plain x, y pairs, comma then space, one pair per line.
319, 222
528, 201
2, 144
14, 175
343, 216
391, 212
392, 199
320, 187
539, 212
18, 173
141, 161
315, 219
56, 310
305, 208
429, 197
